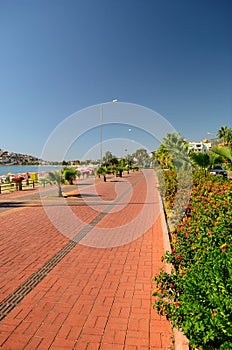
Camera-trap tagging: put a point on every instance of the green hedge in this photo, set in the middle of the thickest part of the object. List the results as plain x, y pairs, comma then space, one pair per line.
197, 296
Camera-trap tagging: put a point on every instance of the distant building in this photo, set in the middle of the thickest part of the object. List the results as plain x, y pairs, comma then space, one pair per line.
200, 146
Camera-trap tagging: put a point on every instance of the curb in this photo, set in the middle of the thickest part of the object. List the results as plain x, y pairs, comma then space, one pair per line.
180, 340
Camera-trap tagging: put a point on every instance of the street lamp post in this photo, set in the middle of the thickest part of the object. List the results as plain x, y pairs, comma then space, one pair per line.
101, 119
101, 122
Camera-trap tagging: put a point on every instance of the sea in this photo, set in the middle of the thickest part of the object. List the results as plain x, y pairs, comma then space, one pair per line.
21, 169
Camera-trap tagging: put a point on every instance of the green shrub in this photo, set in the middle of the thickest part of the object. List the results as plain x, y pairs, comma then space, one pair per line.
168, 187
197, 295
69, 174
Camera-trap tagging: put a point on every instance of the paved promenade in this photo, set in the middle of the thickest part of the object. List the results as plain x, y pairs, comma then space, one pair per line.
90, 292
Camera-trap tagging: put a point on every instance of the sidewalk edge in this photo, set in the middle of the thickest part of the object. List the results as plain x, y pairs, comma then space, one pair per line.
180, 340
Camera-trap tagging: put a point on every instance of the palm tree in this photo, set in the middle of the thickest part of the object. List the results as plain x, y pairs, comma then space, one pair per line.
201, 159
215, 159
178, 148
163, 156
102, 171
173, 152
222, 131
114, 161
228, 137
225, 133
120, 169
225, 152
69, 174
108, 157
43, 181
55, 177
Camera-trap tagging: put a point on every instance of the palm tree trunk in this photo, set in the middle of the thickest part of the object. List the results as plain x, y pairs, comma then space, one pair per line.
60, 194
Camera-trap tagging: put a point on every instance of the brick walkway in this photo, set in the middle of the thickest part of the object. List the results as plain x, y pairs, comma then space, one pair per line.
94, 298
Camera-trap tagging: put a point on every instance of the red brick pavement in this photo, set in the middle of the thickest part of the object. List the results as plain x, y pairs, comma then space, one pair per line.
94, 298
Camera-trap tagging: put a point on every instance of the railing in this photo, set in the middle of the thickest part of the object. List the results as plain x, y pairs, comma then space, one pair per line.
12, 186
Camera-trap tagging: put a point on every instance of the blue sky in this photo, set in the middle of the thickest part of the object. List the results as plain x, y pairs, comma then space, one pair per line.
59, 57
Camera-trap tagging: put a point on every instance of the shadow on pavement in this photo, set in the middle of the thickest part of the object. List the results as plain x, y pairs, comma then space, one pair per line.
11, 204
81, 195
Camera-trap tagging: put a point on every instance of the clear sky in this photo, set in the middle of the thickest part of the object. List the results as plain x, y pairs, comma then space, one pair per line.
58, 57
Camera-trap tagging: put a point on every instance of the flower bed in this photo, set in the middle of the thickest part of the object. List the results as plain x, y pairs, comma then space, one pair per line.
197, 296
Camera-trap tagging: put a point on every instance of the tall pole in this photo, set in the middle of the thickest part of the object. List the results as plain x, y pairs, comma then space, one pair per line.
101, 120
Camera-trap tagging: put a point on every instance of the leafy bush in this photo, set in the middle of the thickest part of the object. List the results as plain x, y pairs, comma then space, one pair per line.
69, 174
168, 187
197, 295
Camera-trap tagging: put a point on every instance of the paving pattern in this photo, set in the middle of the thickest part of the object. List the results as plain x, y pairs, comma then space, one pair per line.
58, 293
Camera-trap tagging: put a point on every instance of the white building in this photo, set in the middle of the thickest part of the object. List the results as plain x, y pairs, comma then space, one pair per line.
199, 146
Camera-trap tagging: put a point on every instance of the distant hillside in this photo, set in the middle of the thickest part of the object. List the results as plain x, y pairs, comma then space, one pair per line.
12, 158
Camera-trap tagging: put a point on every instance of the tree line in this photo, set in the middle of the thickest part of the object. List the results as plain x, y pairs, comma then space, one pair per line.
172, 153
175, 147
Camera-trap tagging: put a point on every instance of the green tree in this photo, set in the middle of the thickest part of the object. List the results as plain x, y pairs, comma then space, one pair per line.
222, 131
102, 171
120, 169
108, 157
173, 152
69, 175
178, 148
201, 159
129, 160
215, 159
56, 178
65, 163
142, 157
163, 157
43, 181
225, 152
226, 134
122, 162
